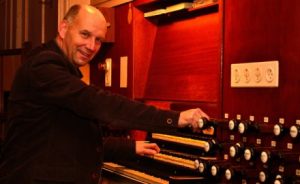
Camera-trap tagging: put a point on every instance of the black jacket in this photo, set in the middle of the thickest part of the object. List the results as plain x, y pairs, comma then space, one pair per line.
54, 117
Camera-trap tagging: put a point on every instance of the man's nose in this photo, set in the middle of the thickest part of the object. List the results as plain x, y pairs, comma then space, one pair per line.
91, 45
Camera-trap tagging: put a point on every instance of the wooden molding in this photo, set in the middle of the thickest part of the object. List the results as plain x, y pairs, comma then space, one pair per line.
108, 3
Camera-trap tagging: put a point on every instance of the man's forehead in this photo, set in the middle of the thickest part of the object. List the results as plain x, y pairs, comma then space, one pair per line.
90, 20
91, 16
91, 12
89, 23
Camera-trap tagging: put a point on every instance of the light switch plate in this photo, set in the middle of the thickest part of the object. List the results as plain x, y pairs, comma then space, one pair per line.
108, 72
123, 71
255, 74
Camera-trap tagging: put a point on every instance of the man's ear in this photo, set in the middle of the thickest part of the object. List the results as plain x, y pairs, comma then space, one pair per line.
62, 28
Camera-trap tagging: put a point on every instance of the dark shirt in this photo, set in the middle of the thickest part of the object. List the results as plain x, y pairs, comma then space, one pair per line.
54, 122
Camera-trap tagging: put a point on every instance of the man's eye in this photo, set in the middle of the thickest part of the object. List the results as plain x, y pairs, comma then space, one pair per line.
85, 35
98, 40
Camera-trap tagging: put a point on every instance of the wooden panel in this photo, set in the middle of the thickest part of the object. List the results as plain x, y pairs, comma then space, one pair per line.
212, 109
185, 61
109, 3
1, 85
10, 66
51, 17
2, 25
109, 14
144, 34
9, 23
258, 30
14, 22
34, 22
121, 47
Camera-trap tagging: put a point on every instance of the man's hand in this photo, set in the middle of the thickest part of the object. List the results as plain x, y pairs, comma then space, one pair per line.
146, 148
191, 118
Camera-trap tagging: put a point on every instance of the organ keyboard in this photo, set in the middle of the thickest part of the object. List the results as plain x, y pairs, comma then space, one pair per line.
223, 156
205, 145
132, 174
175, 160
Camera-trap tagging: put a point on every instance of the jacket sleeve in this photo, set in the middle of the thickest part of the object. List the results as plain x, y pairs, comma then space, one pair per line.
118, 148
53, 83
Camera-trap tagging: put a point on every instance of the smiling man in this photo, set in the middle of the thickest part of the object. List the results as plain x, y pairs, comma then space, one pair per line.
81, 34
55, 119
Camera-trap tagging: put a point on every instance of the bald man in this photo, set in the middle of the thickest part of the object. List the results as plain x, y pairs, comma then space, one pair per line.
55, 119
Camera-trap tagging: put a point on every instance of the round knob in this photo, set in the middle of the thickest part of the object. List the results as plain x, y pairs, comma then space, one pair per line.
196, 163
228, 174
248, 154
294, 131
232, 124
278, 179
232, 151
235, 150
242, 127
262, 176
202, 167
214, 170
201, 122
277, 129
264, 157
207, 147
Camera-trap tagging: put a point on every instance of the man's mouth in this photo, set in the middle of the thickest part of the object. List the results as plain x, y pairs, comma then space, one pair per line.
84, 55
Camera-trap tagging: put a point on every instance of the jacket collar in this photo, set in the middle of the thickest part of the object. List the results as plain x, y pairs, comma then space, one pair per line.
52, 45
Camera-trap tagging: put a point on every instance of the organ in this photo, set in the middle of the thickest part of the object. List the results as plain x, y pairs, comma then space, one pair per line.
188, 157
210, 41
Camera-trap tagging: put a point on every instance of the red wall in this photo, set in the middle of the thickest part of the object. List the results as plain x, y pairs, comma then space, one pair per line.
182, 60
174, 59
258, 30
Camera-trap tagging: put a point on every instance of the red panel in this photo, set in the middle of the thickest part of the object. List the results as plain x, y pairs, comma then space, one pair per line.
35, 20
143, 43
258, 30
177, 60
1, 85
3, 26
185, 61
51, 16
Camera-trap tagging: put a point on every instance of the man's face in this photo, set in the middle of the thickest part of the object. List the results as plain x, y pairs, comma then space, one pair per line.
83, 37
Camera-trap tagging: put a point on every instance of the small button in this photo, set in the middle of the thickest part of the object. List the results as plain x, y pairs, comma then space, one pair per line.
169, 121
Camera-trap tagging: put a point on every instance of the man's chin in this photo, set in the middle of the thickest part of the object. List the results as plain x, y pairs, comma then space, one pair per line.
80, 62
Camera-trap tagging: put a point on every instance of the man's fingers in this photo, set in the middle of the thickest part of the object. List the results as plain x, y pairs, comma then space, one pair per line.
150, 149
152, 146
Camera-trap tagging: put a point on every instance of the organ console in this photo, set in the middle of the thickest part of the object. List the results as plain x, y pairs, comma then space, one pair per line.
206, 157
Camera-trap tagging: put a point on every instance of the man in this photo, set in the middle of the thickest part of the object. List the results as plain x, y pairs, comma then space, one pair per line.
54, 134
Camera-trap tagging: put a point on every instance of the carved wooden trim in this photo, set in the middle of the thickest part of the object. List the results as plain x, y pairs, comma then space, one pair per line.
109, 3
